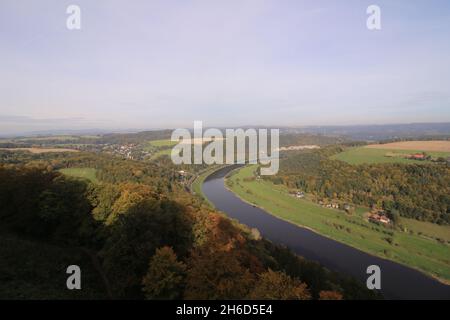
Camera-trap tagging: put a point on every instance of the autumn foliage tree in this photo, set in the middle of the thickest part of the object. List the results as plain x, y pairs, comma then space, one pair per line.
276, 285
165, 275
216, 274
330, 295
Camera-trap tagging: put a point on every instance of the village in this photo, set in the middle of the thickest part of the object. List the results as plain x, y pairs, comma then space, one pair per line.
126, 150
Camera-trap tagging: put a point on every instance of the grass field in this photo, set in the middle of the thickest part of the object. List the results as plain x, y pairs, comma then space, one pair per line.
160, 153
162, 143
426, 229
159, 148
360, 155
428, 255
85, 173
433, 145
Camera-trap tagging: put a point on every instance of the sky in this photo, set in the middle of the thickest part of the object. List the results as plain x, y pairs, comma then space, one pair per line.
163, 64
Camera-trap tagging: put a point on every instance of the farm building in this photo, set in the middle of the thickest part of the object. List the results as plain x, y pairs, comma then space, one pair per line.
417, 156
379, 216
300, 194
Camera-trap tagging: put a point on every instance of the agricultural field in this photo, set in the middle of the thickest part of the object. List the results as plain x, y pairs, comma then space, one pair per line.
389, 153
162, 143
160, 153
40, 150
159, 148
409, 248
84, 173
48, 138
438, 146
427, 229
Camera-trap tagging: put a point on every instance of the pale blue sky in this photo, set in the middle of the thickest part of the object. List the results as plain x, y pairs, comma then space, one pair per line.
155, 64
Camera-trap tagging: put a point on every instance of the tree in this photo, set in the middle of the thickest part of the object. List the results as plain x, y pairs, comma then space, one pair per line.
136, 235
276, 285
330, 295
395, 216
165, 275
214, 274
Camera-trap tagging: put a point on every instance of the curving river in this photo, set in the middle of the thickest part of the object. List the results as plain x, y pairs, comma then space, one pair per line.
397, 281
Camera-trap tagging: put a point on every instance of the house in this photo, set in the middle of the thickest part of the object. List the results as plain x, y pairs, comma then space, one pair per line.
417, 156
379, 216
300, 194
385, 219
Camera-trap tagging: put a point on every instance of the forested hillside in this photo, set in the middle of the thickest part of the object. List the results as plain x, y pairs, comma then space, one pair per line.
137, 233
419, 191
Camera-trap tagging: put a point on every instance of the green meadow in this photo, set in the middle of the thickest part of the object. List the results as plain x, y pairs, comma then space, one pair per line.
159, 148
409, 248
160, 153
84, 173
360, 155
162, 143
426, 229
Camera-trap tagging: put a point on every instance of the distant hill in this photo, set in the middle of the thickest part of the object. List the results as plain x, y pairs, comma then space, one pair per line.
381, 132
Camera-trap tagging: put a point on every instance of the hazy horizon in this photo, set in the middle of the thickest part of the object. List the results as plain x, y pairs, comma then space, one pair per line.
430, 127
163, 64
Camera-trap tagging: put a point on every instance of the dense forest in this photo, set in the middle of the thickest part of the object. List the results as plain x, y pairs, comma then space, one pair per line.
137, 233
419, 191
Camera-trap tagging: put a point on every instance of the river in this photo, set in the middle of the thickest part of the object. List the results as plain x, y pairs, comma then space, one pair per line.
397, 281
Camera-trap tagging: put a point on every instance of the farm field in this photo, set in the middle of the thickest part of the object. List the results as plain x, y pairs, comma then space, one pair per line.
169, 143
160, 153
40, 150
84, 173
439, 146
159, 148
48, 138
360, 155
427, 229
414, 250
162, 143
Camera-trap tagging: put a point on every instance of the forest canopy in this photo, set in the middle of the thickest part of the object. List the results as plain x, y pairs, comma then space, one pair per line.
141, 234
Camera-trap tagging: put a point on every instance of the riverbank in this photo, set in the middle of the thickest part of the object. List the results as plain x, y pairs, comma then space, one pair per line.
425, 255
196, 185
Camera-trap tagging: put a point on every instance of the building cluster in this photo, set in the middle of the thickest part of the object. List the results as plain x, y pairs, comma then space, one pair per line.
417, 156
379, 216
124, 150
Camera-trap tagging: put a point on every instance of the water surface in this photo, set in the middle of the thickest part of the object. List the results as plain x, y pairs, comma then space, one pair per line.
397, 281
